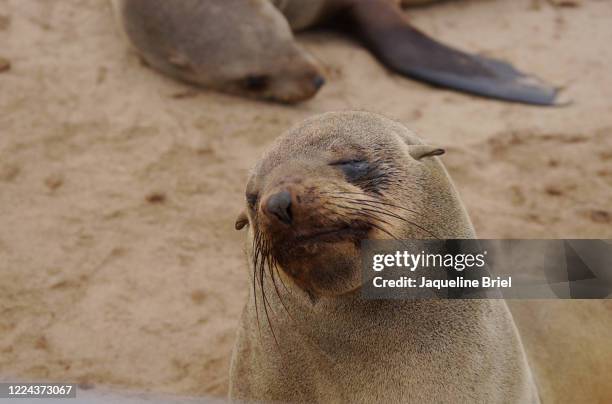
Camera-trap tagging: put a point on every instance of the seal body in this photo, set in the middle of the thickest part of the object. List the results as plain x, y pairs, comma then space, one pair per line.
305, 14
247, 47
306, 334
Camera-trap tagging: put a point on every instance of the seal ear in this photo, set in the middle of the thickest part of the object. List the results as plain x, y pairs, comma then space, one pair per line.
420, 151
241, 221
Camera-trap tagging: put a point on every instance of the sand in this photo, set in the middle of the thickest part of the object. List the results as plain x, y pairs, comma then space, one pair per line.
119, 264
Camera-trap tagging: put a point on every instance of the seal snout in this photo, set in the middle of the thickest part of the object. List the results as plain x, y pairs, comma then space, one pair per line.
278, 206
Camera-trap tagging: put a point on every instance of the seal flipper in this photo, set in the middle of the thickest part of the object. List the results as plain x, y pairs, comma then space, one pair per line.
404, 49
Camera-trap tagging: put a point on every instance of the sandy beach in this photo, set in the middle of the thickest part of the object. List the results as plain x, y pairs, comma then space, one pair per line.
119, 262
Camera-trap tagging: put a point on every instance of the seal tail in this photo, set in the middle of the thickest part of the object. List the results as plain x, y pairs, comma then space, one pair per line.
383, 28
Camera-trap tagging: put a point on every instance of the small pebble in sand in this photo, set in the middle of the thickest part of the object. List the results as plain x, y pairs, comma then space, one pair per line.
5, 64
198, 296
5, 22
601, 216
156, 198
9, 172
42, 343
554, 191
54, 181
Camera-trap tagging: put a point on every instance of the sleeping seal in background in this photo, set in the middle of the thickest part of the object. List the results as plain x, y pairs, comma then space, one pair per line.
247, 47
306, 334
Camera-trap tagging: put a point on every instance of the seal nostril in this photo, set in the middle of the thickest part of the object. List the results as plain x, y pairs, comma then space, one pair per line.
280, 206
318, 81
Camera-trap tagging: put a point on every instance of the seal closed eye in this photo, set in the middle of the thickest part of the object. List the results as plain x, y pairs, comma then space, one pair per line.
247, 47
353, 169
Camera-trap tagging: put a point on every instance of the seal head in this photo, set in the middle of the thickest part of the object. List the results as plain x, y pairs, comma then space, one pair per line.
235, 46
335, 180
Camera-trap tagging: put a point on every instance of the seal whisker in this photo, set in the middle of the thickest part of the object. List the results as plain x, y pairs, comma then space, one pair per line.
262, 259
378, 209
280, 298
375, 225
360, 211
272, 266
366, 222
256, 252
375, 203
388, 213
280, 278
335, 194
386, 231
265, 301
369, 200
361, 194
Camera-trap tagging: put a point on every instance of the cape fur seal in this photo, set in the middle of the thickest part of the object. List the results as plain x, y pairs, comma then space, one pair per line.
306, 334
247, 47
